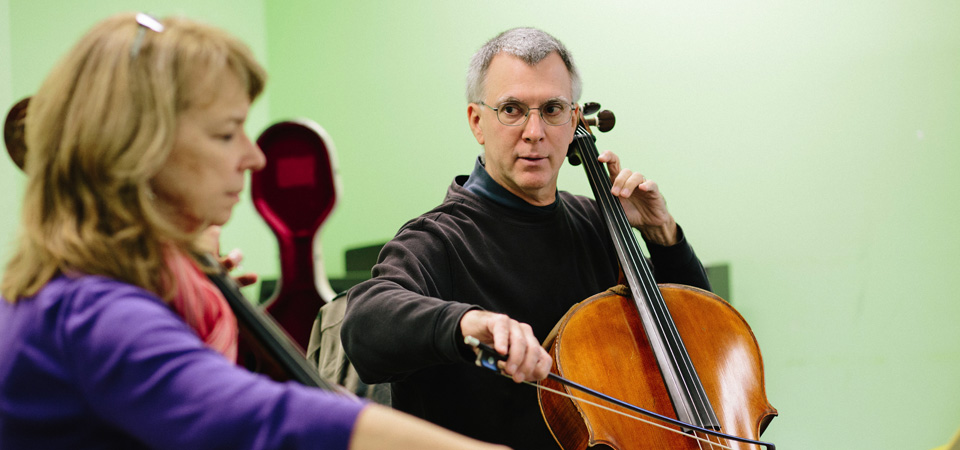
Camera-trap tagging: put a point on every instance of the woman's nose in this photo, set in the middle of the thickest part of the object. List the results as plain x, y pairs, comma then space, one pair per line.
255, 160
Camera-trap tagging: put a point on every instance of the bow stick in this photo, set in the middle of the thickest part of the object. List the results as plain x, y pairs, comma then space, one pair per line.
487, 358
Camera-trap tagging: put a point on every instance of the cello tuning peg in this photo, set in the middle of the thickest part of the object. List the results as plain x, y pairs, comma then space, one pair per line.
590, 108
604, 121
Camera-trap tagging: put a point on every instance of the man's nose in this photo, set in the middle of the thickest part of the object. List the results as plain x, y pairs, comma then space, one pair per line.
533, 129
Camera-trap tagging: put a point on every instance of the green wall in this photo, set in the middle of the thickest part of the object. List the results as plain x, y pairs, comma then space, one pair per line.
813, 146
11, 181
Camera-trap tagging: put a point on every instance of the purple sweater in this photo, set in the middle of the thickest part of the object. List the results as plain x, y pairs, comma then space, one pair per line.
91, 362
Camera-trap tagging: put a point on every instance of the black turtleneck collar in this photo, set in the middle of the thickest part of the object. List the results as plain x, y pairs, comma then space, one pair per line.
481, 183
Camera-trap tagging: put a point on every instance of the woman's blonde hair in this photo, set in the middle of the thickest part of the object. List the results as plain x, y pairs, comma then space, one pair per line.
97, 131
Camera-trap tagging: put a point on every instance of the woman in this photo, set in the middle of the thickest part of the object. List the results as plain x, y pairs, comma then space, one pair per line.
112, 336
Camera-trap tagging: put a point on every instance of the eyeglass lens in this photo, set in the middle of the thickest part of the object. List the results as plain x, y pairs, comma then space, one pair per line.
552, 113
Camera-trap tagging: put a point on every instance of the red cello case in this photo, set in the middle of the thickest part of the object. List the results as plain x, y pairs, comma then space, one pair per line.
295, 193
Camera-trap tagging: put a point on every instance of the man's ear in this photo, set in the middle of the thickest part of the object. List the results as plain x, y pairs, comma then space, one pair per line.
473, 117
574, 122
576, 118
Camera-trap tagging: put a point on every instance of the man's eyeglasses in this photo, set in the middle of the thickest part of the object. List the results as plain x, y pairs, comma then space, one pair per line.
146, 22
514, 114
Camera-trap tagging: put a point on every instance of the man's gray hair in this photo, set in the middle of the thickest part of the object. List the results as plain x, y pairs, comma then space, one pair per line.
529, 44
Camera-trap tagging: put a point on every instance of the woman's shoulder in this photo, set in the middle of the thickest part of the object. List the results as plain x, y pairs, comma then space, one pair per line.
91, 306
88, 290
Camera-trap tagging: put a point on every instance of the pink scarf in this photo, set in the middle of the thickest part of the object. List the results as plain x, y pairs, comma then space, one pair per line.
202, 306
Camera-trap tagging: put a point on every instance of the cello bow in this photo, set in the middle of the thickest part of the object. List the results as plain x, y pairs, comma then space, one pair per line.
487, 358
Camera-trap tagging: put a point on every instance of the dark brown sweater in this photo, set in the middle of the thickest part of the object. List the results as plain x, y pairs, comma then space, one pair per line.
401, 326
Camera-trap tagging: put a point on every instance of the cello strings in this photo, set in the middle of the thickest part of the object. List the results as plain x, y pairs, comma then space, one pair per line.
621, 228
631, 252
636, 261
652, 295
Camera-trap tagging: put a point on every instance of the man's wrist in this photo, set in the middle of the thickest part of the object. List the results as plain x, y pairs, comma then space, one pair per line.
664, 235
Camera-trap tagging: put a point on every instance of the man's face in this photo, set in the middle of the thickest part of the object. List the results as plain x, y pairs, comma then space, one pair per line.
524, 159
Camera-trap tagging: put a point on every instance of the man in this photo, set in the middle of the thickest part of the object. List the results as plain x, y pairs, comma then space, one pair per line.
503, 257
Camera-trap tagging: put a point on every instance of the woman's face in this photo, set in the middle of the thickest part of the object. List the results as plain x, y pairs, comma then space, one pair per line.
204, 175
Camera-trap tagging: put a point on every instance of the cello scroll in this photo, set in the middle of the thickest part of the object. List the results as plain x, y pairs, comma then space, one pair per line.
604, 121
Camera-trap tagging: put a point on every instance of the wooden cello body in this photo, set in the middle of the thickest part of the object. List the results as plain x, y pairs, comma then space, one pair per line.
617, 357
675, 350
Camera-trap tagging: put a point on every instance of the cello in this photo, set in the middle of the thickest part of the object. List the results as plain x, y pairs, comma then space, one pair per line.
681, 351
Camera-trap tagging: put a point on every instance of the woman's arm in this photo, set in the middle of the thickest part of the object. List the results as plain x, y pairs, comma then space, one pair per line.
379, 427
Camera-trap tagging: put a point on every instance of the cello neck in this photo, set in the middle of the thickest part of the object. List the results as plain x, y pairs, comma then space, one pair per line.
686, 391
282, 352
632, 261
